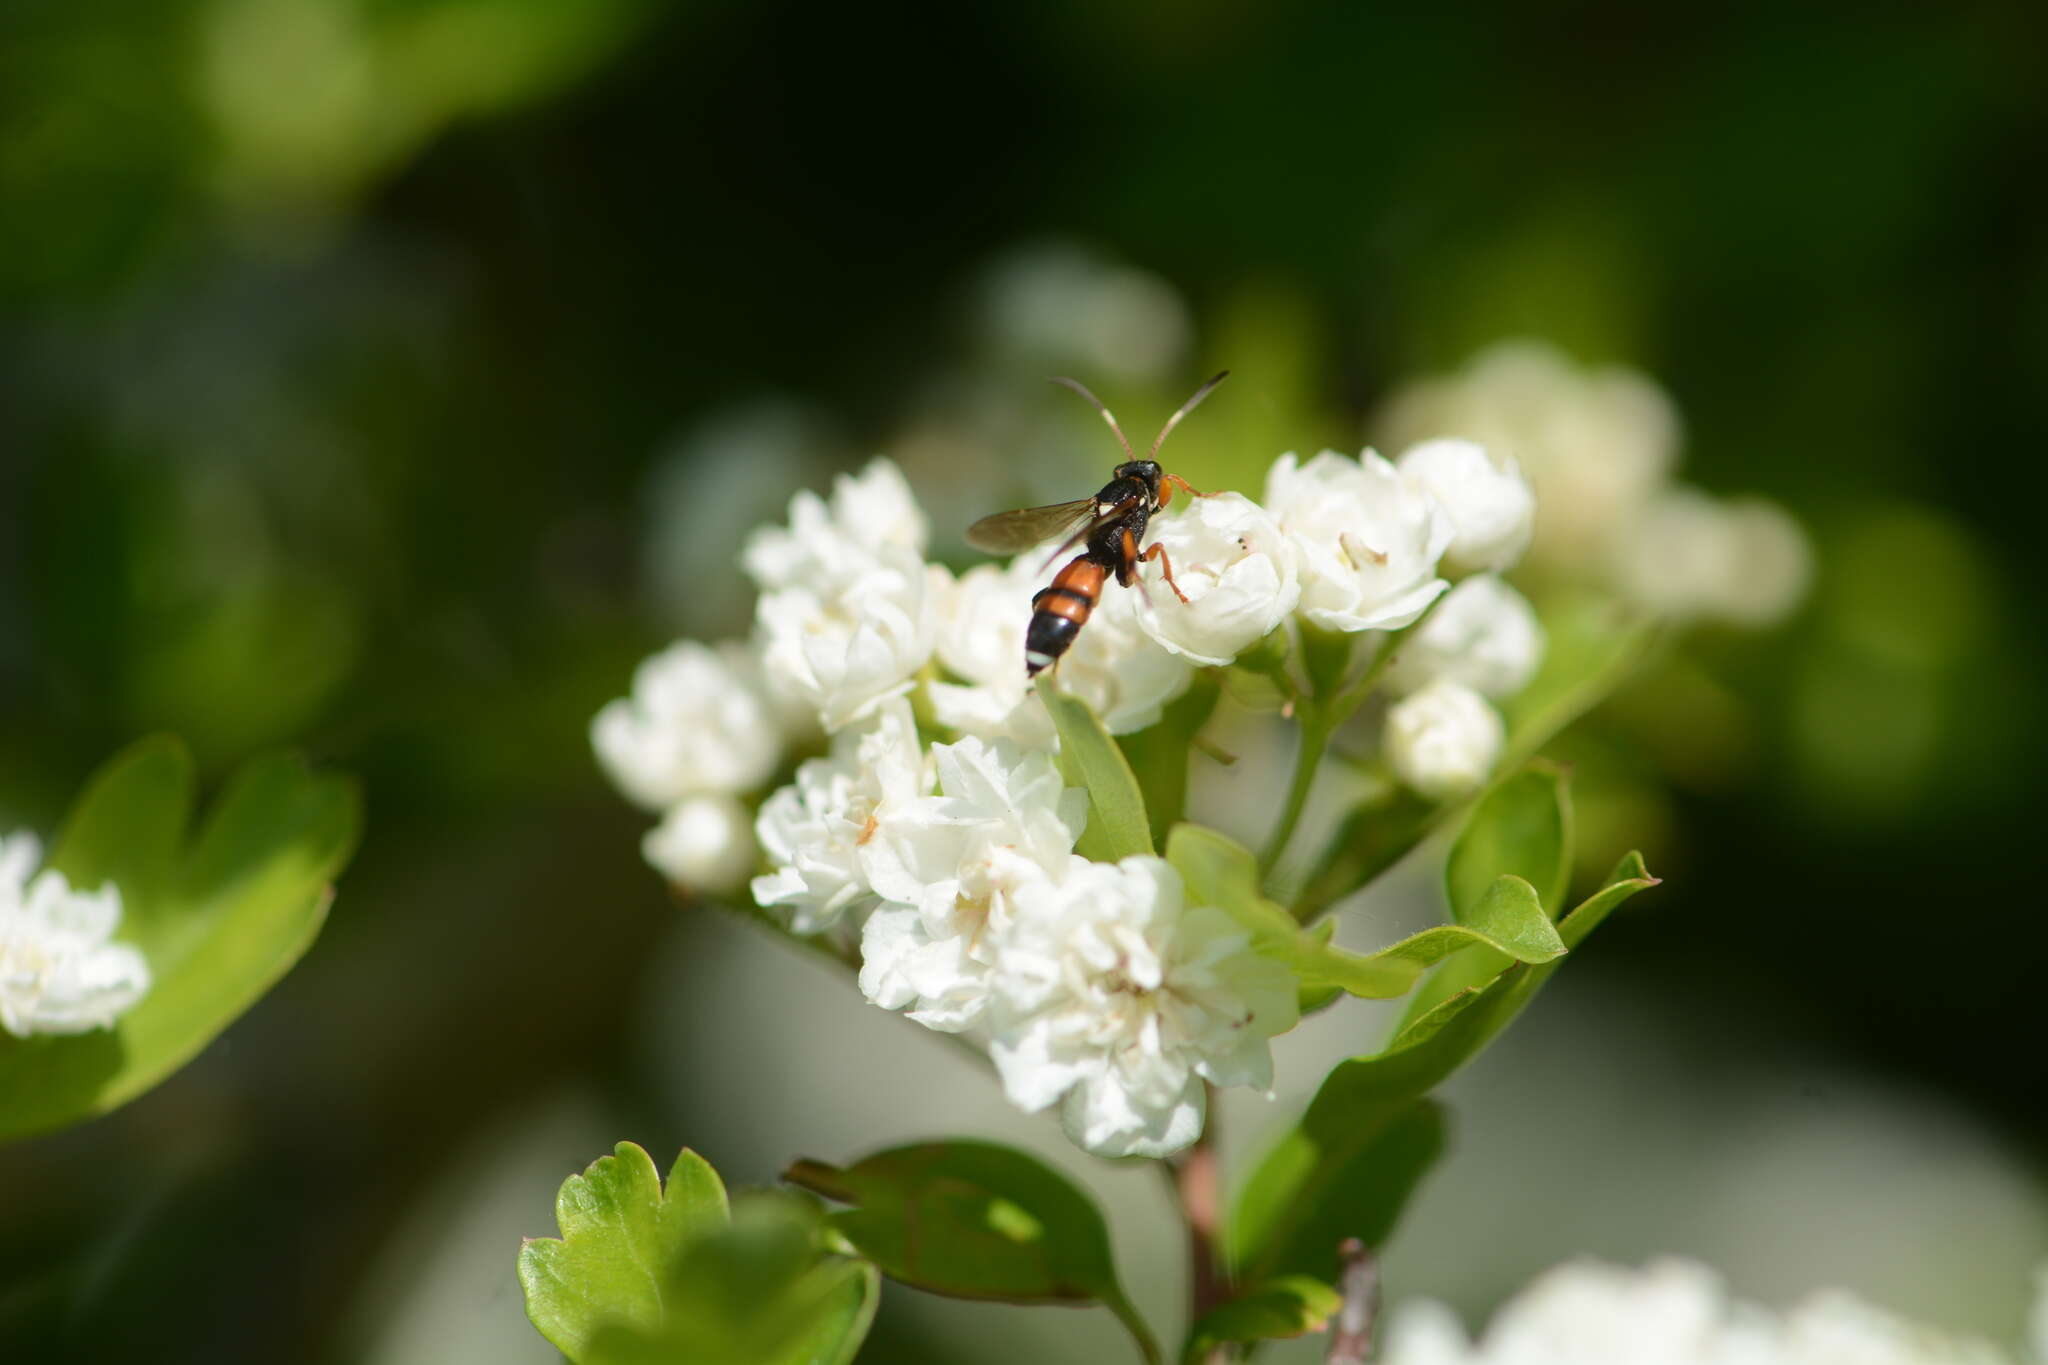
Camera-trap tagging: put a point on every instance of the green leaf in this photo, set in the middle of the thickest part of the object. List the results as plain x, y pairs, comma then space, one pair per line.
1222, 873
1117, 826
761, 1290
1158, 755
1363, 1180
1521, 827
976, 1220
620, 1231
128, 827
219, 921
1289, 1306
1295, 1208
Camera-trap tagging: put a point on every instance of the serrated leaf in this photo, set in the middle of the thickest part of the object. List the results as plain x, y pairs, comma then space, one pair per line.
1158, 755
620, 1232
1294, 1201
219, 921
1284, 1307
760, 1290
976, 1220
1219, 872
1117, 824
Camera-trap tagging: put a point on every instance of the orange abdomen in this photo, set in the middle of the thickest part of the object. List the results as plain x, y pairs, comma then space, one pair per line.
1060, 610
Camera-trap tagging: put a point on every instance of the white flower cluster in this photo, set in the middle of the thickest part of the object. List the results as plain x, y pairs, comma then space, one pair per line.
59, 970
1099, 988
1672, 1313
1600, 447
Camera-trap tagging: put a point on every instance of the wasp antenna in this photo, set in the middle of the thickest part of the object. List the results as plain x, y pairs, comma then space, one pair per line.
1078, 387
1185, 409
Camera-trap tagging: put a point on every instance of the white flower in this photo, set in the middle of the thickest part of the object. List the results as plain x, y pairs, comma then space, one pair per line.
59, 970
1237, 570
1002, 819
1490, 505
1113, 665
826, 547
1367, 544
1593, 443
1484, 635
697, 722
1067, 306
1443, 740
1689, 554
844, 649
818, 829
1118, 999
705, 842
1669, 1313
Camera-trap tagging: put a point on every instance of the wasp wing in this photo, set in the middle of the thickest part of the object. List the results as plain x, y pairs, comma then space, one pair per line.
1008, 533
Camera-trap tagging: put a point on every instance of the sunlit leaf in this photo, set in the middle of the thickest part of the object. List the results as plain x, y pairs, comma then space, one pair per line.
1286, 1306
1293, 1210
1117, 826
976, 1220
758, 1292
620, 1230
219, 920
644, 1275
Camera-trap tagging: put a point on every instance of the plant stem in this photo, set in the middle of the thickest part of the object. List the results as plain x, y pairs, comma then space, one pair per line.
1320, 719
1197, 1176
1351, 1332
1315, 737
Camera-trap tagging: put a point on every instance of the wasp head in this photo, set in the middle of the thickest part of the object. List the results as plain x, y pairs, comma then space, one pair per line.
1145, 472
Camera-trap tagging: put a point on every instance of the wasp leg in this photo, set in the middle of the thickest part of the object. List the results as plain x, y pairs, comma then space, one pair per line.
1158, 552
1126, 557
1169, 482
1128, 560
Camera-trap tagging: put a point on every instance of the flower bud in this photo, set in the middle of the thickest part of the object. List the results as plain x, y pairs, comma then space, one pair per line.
697, 722
706, 844
1490, 505
1444, 740
1484, 635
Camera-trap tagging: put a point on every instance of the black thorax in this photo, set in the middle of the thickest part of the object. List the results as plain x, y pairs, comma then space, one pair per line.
1106, 542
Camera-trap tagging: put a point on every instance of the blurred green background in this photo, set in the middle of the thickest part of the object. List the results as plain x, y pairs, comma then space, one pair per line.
386, 377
